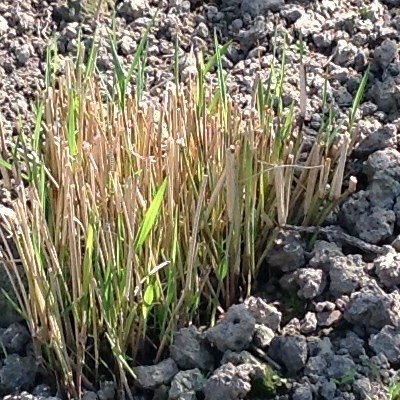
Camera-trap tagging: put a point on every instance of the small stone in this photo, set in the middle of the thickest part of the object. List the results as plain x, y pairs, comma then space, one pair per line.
312, 282
189, 350
186, 385
264, 313
127, 45
234, 331
309, 323
387, 342
263, 336
289, 351
23, 54
132, 9
387, 267
227, 382
385, 53
303, 392
329, 318
260, 7
292, 12
152, 376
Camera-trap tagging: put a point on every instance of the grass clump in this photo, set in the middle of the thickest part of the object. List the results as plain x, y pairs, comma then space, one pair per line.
132, 220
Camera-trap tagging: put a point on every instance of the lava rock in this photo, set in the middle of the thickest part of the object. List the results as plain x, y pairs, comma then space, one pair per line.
17, 373
234, 331
373, 309
264, 313
228, 382
387, 267
289, 351
14, 338
288, 253
189, 350
152, 376
387, 342
186, 385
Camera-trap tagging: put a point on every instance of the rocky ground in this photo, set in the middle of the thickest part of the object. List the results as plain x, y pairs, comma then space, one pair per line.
329, 319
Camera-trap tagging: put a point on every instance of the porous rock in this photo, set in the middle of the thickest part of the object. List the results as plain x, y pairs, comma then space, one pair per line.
17, 373
288, 253
186, 385
387, 342
152, 376
290, 352
264, 313
234, 331
189, 350
373, 309
387, 267
229, 382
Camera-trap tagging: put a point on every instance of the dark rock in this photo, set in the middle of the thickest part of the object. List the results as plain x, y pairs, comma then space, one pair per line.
289, 351
152, 376
234, 331
186, 385
228, 382
373, 309
288, 253
17, 373
14, 338
387, 342
189, 350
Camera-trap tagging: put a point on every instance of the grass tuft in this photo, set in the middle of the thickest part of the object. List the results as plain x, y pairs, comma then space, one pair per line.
133, 220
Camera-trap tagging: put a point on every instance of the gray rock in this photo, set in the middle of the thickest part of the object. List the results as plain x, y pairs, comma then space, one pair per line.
161, 393
378, 140
234, 331
127, 45
288, 253
263, 336
387, 267
22, 54
292, 12
107, 390
383, 160
345, 53
340, 367
89, 395
362, 387
327, 389
385, 53
250, 364
132, 9
328, 318
316, 366
362, 219
386, 94
324, 39
14, 338
289, 351
186, 384
264, 313
373, 309
259, 7
17, 373
303, 392
320, 347
189, 350
387, 342
42, 390
228, 382
353, 345
345, 274
308, 24
322, 254
309, 323
383, 189
312, 282
152, 376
